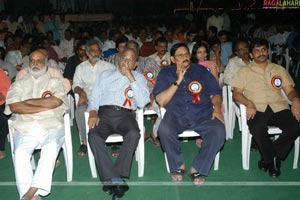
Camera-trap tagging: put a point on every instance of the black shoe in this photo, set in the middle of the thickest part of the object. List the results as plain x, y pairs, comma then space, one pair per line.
263, 166
119, 190
108, 189
274, 168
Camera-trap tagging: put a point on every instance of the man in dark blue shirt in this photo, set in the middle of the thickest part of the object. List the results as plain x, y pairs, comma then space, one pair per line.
192, 99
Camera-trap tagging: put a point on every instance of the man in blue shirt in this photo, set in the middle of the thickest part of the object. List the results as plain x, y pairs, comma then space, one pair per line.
116, 95
192, 99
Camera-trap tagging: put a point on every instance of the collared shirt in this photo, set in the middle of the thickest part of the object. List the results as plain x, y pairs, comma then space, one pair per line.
67, 47
4, 84
162, 62
52, 72
232, 68
86, 74
149, 69
263, 87
185, 102
30, 88
112, 88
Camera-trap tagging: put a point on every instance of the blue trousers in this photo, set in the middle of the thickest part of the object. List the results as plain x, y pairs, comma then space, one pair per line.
213, 137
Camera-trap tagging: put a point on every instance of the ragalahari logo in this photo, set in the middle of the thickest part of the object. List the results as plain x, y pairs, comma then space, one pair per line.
281, 4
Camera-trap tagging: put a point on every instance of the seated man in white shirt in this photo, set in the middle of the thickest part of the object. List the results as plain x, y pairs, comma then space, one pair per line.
241, 59
39, 102
83, 82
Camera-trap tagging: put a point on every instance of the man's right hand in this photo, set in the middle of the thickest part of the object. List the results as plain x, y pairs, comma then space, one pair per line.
93, 119
180, 71
82, 98
250, 111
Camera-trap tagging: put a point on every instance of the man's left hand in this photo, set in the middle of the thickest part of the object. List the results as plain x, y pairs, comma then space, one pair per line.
218, 114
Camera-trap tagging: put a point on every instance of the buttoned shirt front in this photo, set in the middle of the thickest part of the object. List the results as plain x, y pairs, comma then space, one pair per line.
149, 69
112, 88
162, 62
192, 99
233, 66
86, 74
263, 86
31, 88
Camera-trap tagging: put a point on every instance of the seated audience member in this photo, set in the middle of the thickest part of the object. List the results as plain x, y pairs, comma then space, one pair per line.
4, 86
115, 96
192, 99
161, 56
120, 46
49, 70
75, 60
149, 69
215, 52
39, 102
241, 59
200, 55
83, 82
259, 87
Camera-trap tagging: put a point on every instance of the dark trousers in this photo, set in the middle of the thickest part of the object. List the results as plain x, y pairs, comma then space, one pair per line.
3, 128
114, 122
213, 137
281, 147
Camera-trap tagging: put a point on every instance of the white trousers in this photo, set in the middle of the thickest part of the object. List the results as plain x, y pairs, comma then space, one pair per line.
50, 143
155, 107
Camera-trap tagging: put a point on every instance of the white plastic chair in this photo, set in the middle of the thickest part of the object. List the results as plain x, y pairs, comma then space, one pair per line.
67, 146
187, 134
115, 138
246, 140
71, 101
233, 113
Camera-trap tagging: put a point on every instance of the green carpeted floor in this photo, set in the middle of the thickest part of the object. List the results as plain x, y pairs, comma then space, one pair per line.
229, 182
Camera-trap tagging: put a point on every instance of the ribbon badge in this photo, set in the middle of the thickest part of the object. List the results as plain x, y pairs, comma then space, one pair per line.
195, 88
149, 75
46, 94
276, 82
164, 63
6, 71
128, 93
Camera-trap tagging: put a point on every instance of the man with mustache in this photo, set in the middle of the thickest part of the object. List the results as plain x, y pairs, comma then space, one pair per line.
38, 101
192, 99
83, 82
259, 87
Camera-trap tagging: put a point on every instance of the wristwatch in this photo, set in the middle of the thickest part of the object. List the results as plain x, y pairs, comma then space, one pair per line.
176, 84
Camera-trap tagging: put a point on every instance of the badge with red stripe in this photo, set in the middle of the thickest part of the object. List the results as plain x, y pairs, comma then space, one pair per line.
47, 93
276, 82
128, 93
195, 88
149, 75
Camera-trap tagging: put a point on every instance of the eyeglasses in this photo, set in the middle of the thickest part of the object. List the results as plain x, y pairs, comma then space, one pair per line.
38, 61
262, 50
126, 59
183, 55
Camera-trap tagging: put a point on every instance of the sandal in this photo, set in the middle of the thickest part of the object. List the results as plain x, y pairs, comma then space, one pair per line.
115, 151
197, 178
82, 150
37, 197
177, 176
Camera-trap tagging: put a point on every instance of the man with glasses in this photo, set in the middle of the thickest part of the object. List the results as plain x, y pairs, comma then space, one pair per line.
192, 99
83, 82
116, 95
259, 87
38, 101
